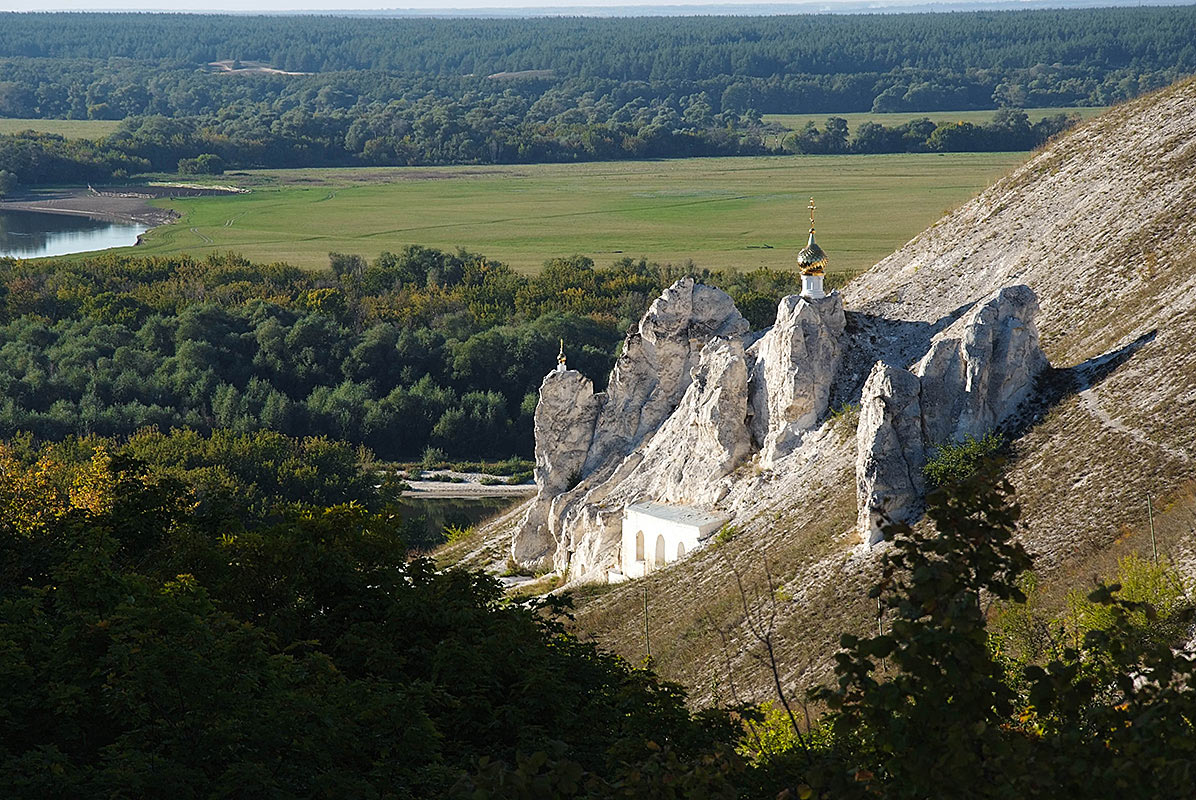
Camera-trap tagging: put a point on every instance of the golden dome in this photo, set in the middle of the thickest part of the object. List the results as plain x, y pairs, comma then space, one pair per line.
812, 260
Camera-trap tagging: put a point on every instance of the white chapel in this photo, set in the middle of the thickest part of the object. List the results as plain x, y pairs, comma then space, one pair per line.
656, 534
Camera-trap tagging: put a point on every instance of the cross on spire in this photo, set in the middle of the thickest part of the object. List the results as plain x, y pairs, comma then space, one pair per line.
811, 207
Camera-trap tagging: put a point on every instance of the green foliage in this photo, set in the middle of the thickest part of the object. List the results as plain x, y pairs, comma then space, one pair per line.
232, 479
725, 534
954, 463
1162, 598
146, 653
203, 164
419, 352
1009, 129
845, 419
935, 707
457, 533
943, 685
1028, 633
423, 91
308, 653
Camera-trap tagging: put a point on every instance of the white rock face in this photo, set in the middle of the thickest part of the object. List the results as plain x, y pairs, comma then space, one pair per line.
890, 454
654, 370
975, 375
686, 461
598, 441
981, 370
793, 368
564, 428
686, 405
707, 436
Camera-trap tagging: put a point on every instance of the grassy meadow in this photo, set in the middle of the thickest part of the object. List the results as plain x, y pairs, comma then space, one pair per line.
798, 121
68, 128
719, 212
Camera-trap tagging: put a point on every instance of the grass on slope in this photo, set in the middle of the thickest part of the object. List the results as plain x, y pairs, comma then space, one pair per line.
69, 128
798, 121
719, 212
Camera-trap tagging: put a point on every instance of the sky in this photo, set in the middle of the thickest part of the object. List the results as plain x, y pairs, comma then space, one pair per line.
283, 6
278, 6
612, 7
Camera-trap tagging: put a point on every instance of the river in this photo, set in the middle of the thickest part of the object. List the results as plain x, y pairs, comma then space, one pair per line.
33, 234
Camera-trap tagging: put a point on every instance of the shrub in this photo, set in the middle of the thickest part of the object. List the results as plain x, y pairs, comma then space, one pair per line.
955, 462
845, 419
455, 533
433, 457
205, 164
725, 534
1157, 587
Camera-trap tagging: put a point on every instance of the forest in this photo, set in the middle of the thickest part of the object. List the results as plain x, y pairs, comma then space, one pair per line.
151, 644
411, 350
424, 91
969, 48
160, 144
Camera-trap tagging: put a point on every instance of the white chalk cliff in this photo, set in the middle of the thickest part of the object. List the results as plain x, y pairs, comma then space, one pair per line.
1100, 225
688, 403
974, 377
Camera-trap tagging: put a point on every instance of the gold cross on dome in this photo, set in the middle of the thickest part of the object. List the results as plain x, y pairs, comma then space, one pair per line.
811, 207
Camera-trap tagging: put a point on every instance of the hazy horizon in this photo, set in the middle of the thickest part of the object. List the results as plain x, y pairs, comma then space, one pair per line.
607, 7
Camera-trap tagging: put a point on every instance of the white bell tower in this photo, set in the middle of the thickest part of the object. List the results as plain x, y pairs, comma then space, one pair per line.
812, 263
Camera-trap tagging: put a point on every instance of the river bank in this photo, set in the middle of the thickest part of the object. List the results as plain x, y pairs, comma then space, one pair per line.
131, 204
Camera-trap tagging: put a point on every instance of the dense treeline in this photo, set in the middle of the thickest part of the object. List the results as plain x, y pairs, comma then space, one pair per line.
418, 136
415, 349
149, 650
1010, 129
1141, 41
405, 92
230, 479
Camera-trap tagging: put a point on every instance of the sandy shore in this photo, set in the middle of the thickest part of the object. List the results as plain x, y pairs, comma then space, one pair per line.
112, 203
440, 489
469, 485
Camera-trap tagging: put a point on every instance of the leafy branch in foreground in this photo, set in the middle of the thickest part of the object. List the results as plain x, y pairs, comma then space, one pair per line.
934, 707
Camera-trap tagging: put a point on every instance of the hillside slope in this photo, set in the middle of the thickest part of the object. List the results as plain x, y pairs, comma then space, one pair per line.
1100, 225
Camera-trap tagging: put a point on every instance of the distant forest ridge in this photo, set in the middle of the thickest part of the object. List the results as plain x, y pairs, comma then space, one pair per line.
200, 93
641, 49
747, 9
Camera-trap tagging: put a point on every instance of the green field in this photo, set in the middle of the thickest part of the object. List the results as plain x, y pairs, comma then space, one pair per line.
721, 212
798, 121
70, 128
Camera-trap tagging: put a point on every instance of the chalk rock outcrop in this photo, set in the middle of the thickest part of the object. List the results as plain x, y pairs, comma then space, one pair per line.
975, 375
653, 372
686, 461
686, 405
707, 436
972, 379
564, 428
890, 454
793, 370
589, 446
